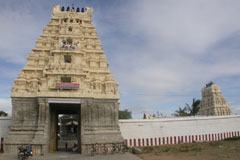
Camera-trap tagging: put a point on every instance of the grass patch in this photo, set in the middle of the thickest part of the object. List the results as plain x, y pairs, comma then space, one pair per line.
147, 149
228, 149
215, 144
197, 149
183, 149
232, 139
167, 149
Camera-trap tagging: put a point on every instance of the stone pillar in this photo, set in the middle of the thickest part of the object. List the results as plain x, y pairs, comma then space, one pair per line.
40, 140
99, 119
24, 123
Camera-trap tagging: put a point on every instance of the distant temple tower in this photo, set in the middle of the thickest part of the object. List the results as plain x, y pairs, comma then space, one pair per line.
213, 103
66, 73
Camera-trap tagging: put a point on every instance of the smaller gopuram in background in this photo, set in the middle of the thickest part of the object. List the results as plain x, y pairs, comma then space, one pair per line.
213, 103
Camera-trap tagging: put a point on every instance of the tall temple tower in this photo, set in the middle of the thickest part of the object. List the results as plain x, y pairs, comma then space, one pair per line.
67, 72
213, 103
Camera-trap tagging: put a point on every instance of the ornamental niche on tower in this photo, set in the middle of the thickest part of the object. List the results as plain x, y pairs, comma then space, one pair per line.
66, 73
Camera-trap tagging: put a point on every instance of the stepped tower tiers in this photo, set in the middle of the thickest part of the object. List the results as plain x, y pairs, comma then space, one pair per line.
66, 72
213, 103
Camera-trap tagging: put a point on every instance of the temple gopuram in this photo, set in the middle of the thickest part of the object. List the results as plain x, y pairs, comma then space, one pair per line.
66, 74
213, 103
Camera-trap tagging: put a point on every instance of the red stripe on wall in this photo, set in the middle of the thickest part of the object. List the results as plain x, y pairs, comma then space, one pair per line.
125, 142
180, 139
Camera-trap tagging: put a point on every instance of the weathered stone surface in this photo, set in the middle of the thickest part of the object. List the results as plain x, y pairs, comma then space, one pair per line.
213, 103
66, 71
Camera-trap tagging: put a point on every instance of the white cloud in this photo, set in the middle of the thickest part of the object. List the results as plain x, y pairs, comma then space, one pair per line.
173, 48
19, 30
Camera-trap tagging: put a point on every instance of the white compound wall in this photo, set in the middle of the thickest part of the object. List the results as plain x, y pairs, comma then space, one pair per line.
5, 123
168, 130
179, 130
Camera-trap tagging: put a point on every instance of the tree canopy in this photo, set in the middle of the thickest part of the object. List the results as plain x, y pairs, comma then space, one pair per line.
3, 114
188, 110
125, 114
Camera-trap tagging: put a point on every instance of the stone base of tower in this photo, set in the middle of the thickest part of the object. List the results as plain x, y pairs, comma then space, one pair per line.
100, 138
24, 125
35, 122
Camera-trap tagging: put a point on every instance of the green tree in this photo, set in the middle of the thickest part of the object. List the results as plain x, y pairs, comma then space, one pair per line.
188, 110
125, 114
3, 114
181, 112
193, 110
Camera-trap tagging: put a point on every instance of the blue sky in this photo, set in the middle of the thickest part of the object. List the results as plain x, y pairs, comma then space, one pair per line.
161, 52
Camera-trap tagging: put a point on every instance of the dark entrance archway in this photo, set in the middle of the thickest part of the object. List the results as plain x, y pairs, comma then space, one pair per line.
71, 125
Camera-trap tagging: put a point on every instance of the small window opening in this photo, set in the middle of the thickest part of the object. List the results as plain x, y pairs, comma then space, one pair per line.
70, 29
66, 79
64, 42
80, 21
71, 21
69, 41
67, 58
65, 20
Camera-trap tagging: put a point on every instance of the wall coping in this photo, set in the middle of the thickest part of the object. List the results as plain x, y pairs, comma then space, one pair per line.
175, 119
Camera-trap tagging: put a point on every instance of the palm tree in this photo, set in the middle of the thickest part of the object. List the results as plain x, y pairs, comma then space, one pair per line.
188, 110
181, 112
193, 110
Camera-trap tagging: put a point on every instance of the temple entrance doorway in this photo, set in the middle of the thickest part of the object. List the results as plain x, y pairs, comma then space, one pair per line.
65, 127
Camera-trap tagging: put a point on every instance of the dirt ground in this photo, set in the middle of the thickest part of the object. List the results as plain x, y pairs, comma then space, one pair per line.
75, 156
222, 150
